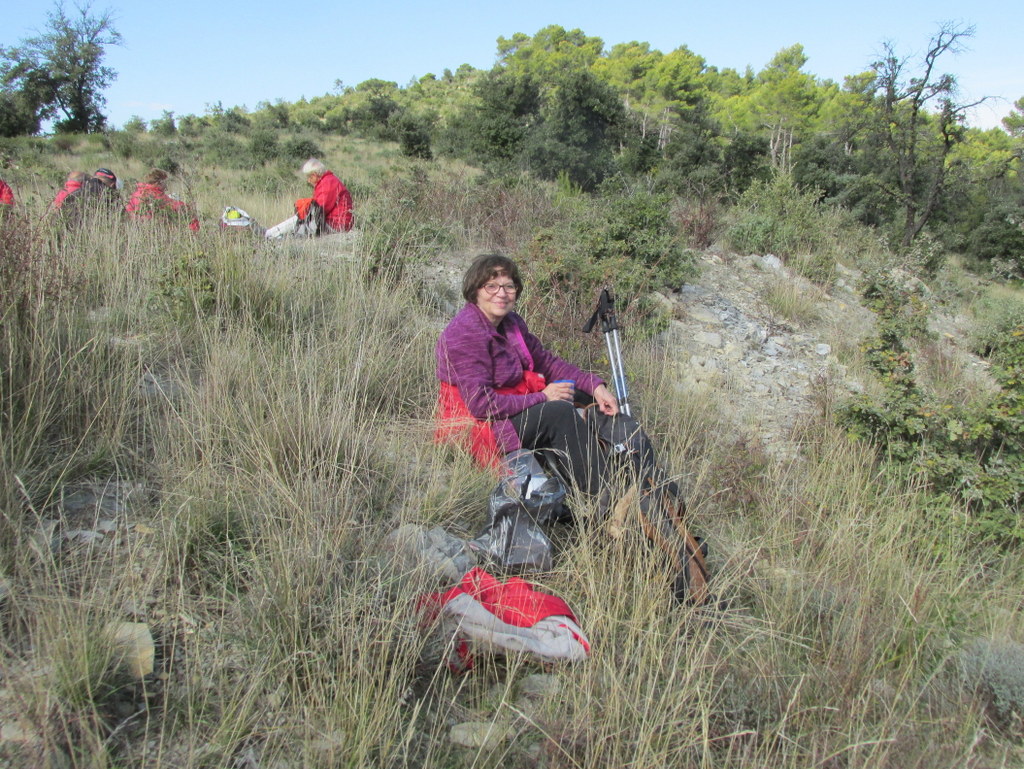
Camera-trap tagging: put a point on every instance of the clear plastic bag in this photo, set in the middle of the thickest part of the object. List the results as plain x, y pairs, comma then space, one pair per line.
527, 498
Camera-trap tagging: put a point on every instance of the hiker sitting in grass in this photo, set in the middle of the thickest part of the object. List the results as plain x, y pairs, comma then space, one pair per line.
501, 390
97, 194
72, 183
6, 194
329, 210
150, 198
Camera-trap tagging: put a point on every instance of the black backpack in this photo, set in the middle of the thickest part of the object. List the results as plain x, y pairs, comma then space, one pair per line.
662, 510
93, 195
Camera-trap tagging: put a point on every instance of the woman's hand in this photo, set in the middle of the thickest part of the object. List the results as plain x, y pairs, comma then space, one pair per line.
606, 401
559, 391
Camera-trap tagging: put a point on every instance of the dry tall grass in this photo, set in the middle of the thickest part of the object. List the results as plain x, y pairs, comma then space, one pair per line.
274, 405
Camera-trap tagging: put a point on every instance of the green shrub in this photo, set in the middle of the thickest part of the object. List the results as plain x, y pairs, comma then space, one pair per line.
999, 331
776, 217
1000, 236
404, 224
263, 146
925, 256
135, 125
413, 135
64, 142
164, 125
625, 237
223, 149
187, 287
625, 240
123, 144
271, 183
973, 455
301, 149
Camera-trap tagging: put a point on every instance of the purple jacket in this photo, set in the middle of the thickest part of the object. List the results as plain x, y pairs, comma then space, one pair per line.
476, 357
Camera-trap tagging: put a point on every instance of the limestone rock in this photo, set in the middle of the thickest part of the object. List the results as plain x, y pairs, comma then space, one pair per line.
479, 734
702, 314
708, 339
661, 301
135, 644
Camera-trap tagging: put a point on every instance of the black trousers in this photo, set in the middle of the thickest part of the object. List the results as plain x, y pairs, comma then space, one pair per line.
565, 441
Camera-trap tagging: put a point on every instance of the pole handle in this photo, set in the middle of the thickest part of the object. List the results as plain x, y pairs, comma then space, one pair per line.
605, 312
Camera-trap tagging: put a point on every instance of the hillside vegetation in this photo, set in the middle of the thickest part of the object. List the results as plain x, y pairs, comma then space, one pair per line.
212, 437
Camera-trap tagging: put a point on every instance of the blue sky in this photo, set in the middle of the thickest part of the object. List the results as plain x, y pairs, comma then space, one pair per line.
187, 54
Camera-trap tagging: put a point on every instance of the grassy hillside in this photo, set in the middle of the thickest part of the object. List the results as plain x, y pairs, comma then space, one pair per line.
246, 424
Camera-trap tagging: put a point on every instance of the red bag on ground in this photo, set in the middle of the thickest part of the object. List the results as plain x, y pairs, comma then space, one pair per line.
500, 617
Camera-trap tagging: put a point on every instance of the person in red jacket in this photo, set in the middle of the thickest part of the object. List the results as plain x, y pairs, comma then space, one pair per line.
72, 183
150, 198
6, 194
329, 210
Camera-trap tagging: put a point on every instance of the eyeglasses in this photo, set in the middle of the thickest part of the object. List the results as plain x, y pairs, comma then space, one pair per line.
493, 288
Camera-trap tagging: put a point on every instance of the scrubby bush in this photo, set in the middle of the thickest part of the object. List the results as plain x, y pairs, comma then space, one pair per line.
625, 237
187, 287
263, 146
999, 330
995, 670
271, 182
300, 148
64, 142
696, 221
123, 144
223, 149
1000, 236
413, 135
811, 235
973, 454
135, 125
164, 126
776, 217
193, 126
406, 222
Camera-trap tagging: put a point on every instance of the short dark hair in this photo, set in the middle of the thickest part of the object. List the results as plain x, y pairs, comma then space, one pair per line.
487, 267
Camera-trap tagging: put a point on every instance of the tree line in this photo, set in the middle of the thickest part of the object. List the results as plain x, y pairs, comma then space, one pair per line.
890, 144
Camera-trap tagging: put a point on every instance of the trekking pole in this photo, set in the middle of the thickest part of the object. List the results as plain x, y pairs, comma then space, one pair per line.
610, 328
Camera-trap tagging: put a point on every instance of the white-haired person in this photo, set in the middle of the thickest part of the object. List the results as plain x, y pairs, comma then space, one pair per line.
329, 210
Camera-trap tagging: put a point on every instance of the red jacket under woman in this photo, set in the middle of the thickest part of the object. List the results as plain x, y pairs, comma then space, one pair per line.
6, 194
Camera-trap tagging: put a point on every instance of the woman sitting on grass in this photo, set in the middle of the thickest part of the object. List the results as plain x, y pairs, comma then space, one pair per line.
500, 384
71, 184
329, 210
150, 198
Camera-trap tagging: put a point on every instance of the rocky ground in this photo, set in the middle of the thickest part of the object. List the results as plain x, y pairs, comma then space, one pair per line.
764, 368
